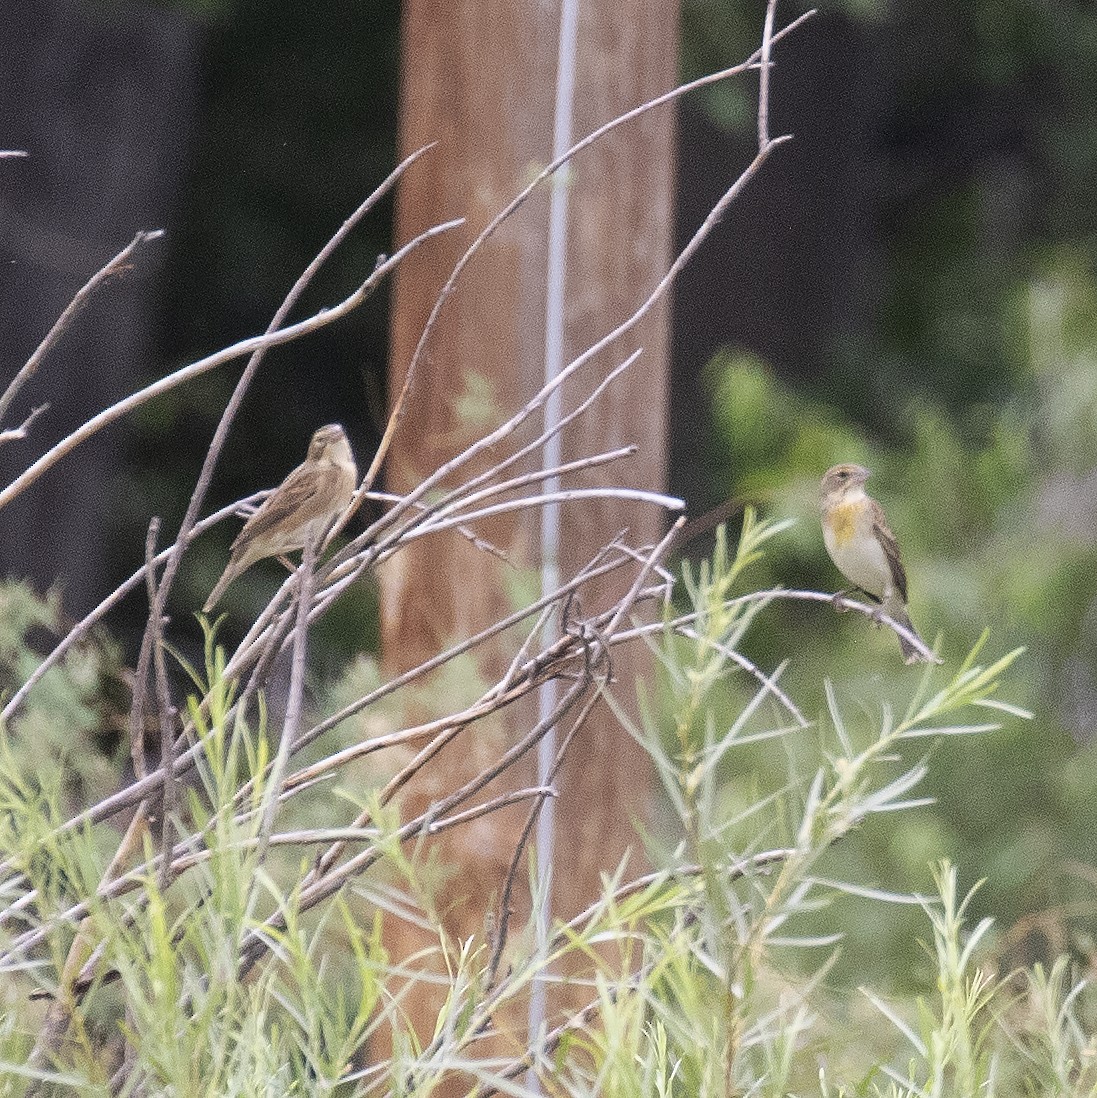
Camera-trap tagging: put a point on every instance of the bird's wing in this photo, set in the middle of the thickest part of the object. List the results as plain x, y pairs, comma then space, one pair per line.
891, 549
304, 495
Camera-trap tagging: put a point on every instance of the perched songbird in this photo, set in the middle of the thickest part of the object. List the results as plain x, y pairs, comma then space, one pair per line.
300, 508
861, 544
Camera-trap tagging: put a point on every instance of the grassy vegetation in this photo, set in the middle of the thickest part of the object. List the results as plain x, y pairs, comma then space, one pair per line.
720, 981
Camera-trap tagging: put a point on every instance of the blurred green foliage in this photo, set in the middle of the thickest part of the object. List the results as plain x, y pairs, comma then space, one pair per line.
995, 506
67, 738
972, 395
977, 144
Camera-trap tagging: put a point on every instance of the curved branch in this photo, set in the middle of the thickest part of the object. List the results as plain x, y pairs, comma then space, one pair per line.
196, 369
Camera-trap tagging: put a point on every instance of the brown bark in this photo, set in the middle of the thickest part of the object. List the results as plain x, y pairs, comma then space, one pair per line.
479, 80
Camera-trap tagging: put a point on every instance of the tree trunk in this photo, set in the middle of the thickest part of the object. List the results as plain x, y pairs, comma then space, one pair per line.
480, 81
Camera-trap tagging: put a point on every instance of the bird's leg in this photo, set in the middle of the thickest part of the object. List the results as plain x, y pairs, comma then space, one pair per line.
838, 596
876, 619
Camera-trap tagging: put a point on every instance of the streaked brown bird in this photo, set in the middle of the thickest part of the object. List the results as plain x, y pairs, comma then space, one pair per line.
860, 542
299, 509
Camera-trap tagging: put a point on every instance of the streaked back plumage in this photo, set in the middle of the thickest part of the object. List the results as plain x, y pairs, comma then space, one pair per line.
302, 507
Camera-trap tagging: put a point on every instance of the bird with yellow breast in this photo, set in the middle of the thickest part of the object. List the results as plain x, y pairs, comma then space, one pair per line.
860, 542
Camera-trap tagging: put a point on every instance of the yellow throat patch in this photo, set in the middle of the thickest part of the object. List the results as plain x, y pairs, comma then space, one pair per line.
843, 522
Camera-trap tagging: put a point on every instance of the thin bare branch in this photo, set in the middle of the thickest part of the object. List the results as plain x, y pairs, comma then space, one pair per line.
321, 884
486, 233
465, 499
502, 918
90, 620
626, 604
535, 446
196, 369
115, 268
166, 710
764, 74
838, 601
14, 434
842, 602
567, 495
318, 835
213, 454
295, 698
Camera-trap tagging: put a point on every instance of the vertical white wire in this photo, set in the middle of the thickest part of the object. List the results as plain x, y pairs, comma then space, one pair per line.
550, 515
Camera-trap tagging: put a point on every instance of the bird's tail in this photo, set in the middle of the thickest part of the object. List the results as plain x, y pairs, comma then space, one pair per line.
911, 654
221, 586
